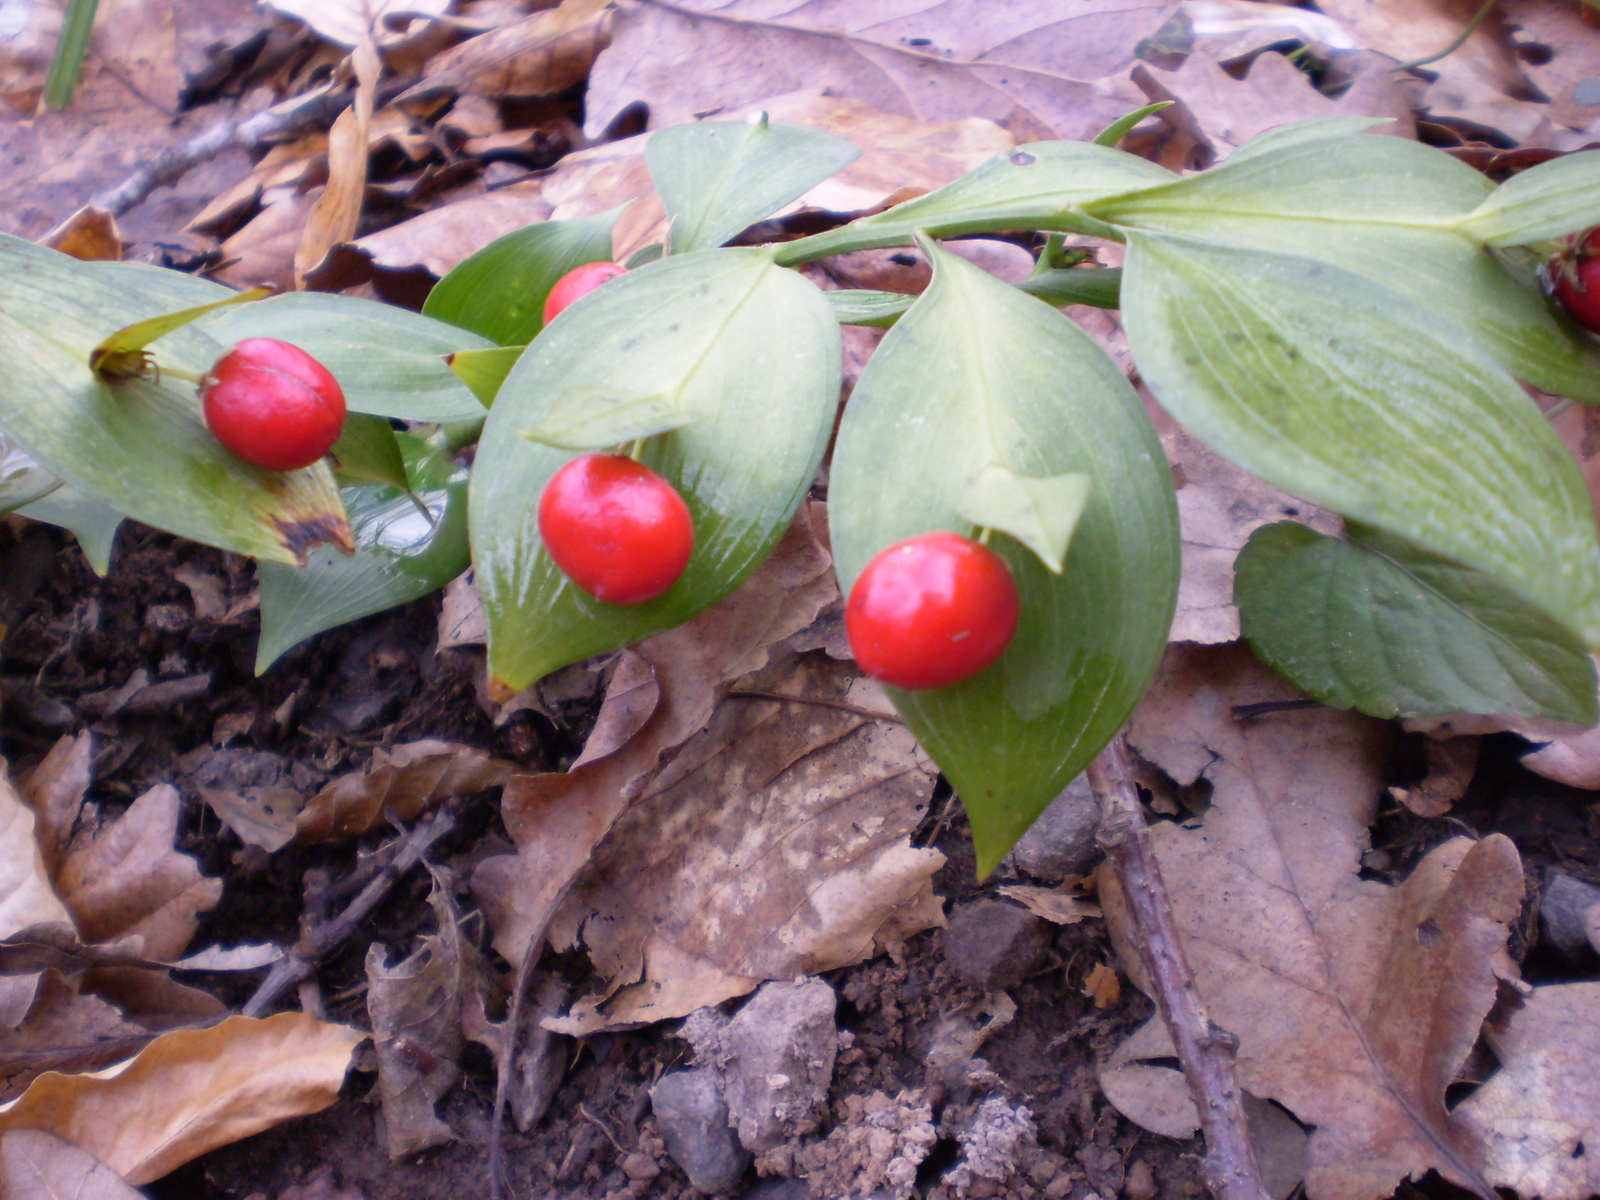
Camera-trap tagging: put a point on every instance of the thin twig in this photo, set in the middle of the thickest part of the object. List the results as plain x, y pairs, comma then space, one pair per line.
785, 698
320, 940
1206, 1052
1472, 27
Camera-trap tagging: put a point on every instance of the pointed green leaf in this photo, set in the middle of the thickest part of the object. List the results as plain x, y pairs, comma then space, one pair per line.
1377, 624
120, 356
978, 373
1036, 186
1122, 126
367, 450
1040, 513
390, 362
1386, 209
1296, 133
92, 523
1551, 200
580, 419
1099, 286
717, 178
401, 554
861, 306
22, 479
1340, 391
139, 446
484, 370
751, 351
500, 291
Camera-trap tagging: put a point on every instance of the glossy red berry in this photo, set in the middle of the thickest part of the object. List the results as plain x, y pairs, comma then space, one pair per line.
579, 281
272, 404
931, 611
1575, 272
619, 531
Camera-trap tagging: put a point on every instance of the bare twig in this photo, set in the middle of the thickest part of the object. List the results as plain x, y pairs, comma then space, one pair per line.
1206, 1052
321, 939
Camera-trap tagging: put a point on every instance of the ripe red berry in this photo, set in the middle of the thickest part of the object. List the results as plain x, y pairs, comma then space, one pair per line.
619, 531
931, 611
579, 281
1576, 274
272, 404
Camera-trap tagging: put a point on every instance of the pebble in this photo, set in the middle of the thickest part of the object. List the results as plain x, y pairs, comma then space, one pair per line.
1564, 906
991, 944
693, 1121
1062, 841
776, 1056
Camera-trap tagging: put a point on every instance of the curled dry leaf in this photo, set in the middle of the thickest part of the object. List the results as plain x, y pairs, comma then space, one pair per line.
26, 896
662, 692
540, 55
1355, 1003
403, 782
347, 22
1538, 1118
258, 816
89, 235
1062, 906
191, 1091
1451, 762
1050, 69
36, 1165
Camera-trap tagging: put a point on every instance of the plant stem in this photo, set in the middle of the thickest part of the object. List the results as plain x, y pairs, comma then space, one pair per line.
1206, 1052
72, 43
1471, 28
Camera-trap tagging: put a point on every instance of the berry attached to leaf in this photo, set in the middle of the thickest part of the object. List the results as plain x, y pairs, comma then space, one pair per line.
931, 611
618, 530
1575, 271
272, 404
579, 281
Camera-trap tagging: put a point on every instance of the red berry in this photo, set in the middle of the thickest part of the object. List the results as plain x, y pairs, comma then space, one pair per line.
931, 611
272, 404
1576, 274
579, 281
619, 531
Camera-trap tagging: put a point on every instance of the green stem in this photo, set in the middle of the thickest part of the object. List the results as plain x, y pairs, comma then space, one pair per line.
71, 45
1472, 28
186, 376
867, 235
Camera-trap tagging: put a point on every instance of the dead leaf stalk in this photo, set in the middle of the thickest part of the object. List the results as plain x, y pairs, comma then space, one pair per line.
1205, 1051
322, 939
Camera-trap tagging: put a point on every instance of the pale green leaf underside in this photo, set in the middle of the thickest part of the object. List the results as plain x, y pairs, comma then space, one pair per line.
1340, 391
400, 556
717, 178
752, 353
1039, 513
139, 447
859, 306
1375, 624
92, 523
979, 373
1298, 133
1551, 200
174, 289
1383, 208
581, 419
390, 362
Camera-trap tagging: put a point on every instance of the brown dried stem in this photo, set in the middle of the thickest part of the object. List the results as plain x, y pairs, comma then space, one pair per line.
1205, 1051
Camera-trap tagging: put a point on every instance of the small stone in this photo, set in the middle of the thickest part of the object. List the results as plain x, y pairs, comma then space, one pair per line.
640, 1166
1141, 1183
1563, 914
775, 1057
992, 944
693, 1120
1062, 841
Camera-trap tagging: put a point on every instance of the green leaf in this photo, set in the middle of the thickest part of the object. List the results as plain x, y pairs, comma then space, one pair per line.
401, 554
1551, 200
1040, 513
367, 450
977, 374
1377, 624
500, 291
72, 43
862, 306
752, 353
484, 370
1036, 186
1099, 286
120, 356
92, 523
22, 479
717, 178
583, 419
1296, 133
1343, 392
174, 289
1384, 208
389, 362
1122, 126
139, 446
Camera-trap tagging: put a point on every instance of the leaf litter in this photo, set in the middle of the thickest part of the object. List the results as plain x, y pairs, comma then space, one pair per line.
740, 811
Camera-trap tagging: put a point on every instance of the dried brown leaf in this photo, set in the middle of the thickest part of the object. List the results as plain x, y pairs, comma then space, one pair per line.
544, 53
1538, 1118
1451, 762
262, 253
36, 1165
27, 897
1052, 69
1061, 906
54, 790
1565, 44
337, 211
1355, 1003
191, 1091
662, 692
405, 782
90, 235
347, 22
259, 816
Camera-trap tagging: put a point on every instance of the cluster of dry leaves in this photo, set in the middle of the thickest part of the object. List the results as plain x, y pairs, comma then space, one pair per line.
744, 808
